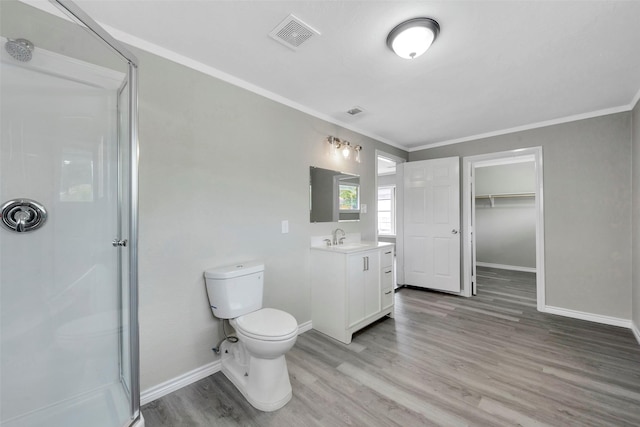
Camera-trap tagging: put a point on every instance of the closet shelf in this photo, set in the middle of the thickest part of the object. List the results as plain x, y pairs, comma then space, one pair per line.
492, 197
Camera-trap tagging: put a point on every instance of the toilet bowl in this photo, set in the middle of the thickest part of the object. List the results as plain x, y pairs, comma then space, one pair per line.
268, 333
256, 363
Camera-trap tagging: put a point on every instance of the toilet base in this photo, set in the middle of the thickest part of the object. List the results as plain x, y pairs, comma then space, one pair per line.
263, 382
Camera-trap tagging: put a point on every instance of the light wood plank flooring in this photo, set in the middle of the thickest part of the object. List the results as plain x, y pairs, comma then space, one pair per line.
491, 360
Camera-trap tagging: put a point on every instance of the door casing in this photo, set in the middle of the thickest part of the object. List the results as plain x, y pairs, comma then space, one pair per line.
468, 195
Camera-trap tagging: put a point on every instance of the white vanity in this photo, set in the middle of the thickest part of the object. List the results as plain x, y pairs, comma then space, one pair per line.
351, 286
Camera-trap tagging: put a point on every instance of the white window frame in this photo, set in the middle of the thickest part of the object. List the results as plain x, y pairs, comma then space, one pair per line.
392, 211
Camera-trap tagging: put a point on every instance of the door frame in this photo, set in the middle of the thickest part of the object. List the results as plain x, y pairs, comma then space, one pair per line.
468, 197
398, 160
399, 209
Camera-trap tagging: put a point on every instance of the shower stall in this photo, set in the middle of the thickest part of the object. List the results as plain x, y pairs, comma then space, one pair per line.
68, 235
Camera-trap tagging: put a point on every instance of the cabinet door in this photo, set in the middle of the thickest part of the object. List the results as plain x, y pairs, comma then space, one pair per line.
356, 265
372, 283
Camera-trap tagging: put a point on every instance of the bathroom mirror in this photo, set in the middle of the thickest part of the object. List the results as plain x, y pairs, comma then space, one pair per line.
333, 196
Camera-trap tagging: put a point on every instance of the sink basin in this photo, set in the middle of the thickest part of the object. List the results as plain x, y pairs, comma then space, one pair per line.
351, 247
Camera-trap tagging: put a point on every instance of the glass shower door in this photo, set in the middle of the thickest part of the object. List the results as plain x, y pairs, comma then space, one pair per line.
65, 189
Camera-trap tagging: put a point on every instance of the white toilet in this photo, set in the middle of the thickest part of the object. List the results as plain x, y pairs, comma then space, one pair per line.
255, 364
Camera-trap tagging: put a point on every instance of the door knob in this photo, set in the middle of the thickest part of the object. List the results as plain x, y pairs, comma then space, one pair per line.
454, 231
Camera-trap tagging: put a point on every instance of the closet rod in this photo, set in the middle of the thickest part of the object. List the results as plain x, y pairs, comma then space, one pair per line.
493, 196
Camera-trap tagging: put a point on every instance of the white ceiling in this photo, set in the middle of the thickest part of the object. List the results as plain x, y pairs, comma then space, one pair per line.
496, 65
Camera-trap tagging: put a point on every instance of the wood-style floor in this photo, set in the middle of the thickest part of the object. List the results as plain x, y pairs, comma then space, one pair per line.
491, 360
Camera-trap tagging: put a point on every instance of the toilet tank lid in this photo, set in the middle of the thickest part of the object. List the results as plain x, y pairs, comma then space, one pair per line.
234, 270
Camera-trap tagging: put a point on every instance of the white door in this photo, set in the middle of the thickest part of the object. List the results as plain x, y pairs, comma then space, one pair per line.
431, 236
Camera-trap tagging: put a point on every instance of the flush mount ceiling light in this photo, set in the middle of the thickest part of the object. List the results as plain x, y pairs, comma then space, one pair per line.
412, 38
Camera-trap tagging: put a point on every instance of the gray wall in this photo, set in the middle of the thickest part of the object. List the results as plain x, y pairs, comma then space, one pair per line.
504, 179
587, 203
506, 232
636, 218
220, 168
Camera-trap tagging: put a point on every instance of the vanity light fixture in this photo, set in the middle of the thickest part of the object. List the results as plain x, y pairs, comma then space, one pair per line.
344, 147
412, 38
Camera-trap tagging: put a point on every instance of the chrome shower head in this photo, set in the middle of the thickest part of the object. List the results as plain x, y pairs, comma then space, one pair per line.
19, 49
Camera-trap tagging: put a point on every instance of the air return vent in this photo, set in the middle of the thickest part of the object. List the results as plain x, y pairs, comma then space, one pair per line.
355, 110
292, 32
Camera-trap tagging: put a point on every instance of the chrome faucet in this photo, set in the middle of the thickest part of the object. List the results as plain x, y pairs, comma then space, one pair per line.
335, 236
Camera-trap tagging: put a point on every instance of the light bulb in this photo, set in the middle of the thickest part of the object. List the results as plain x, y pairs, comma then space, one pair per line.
346, 151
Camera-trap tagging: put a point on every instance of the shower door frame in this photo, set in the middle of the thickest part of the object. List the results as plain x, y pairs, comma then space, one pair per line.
132, 241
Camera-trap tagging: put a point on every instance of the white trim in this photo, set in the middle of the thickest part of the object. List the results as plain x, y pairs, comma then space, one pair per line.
506, 267
380, 153
591, 317
304, 327
567, 119
468, 201
214, 72
635, 100
399, 210
221, 75
636, 331
67, 68
174, 384
505, 161
145, 45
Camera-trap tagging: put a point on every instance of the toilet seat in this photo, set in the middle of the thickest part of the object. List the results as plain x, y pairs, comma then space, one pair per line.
267, 324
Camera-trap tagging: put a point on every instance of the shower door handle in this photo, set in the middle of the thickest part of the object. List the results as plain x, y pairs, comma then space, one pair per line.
119, 243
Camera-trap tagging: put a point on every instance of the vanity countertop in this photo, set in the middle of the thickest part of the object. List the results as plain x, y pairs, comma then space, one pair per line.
348, 248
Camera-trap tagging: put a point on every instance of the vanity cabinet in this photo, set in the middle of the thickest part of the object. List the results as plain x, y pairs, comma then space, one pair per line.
351, 288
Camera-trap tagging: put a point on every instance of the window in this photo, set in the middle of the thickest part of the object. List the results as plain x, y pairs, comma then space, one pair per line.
349, 198
387, 211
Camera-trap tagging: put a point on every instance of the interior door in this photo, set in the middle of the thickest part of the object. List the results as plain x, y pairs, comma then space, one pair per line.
431, 236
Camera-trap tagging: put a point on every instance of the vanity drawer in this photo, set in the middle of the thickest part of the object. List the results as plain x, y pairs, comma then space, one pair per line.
386, 278
387, 297
386, 257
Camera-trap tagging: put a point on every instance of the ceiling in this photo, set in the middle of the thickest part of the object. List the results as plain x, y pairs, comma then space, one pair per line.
496, 66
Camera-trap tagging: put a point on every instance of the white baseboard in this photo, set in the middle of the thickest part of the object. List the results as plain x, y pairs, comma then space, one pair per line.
636, 331
506, 267
598, 318
174, 384
304, 327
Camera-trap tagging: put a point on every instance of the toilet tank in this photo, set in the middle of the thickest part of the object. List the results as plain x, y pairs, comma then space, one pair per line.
235, 290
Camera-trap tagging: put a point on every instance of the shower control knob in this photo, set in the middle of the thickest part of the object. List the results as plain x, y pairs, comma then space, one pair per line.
23, 215
119, 243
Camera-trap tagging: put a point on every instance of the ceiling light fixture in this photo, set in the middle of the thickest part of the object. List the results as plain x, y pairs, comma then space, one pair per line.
412, 38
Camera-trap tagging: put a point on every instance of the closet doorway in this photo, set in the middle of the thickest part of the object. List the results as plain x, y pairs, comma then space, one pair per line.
503, 217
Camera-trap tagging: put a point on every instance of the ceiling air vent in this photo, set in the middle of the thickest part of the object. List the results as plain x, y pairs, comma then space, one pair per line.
355, 110
292, 32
